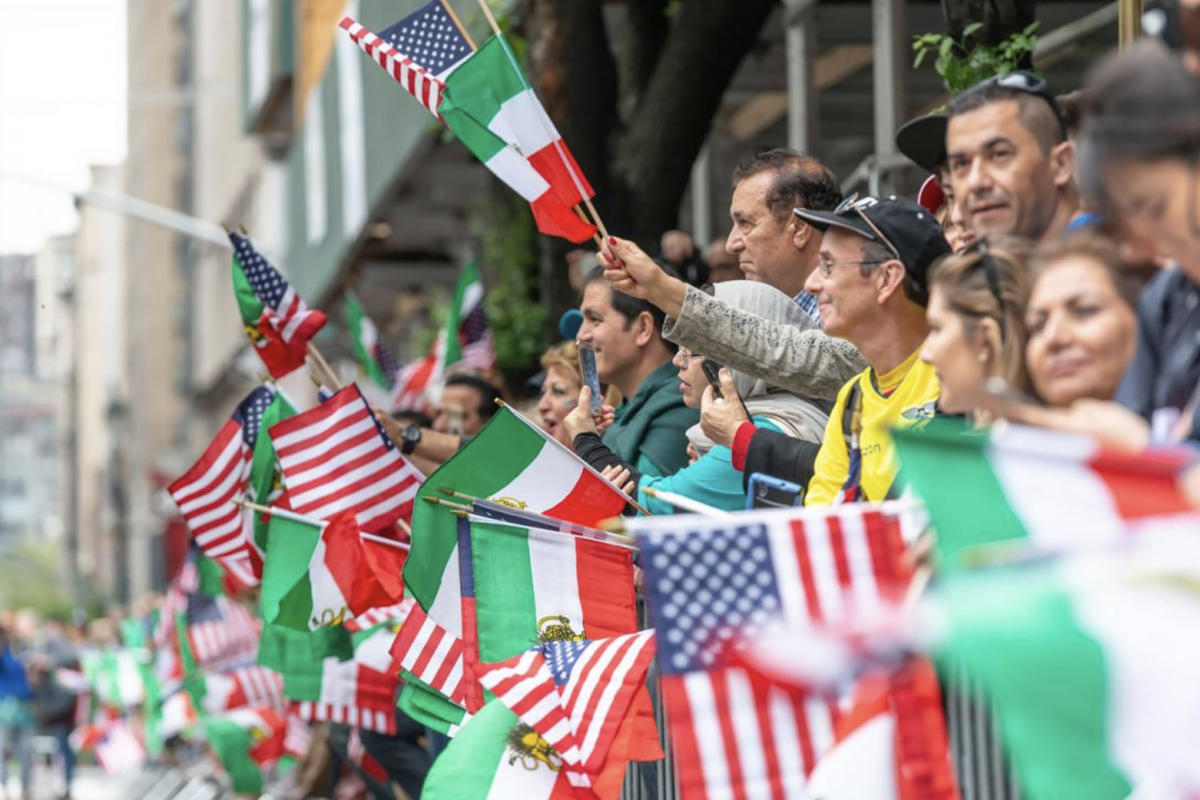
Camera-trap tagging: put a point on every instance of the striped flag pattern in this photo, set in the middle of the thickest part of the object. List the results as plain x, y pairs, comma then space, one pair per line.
385, 615
229, 638
335, 457
258, 686
373, 719
404, 71
297, 735
575, 694
716, 583
284, 309
431, 653
205, 493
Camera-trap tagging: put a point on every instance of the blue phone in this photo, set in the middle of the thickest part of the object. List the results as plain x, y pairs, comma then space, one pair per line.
767, 491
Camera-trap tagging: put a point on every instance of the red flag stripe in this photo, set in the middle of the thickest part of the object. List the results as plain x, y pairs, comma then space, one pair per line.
430, 652
415, 80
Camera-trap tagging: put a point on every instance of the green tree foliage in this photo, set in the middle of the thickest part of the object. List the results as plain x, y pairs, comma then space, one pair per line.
965, 61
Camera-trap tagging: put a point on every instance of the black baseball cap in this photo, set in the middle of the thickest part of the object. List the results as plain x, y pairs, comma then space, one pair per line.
923, 141
898, 223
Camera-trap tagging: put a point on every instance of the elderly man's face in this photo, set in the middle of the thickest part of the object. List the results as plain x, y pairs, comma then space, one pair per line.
762, 244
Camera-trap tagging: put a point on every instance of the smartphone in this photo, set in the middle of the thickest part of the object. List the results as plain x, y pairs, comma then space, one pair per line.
458, 419
712, 371
767, 491
591, 378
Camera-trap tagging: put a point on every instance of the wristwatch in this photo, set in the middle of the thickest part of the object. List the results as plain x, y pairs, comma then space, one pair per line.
412, 438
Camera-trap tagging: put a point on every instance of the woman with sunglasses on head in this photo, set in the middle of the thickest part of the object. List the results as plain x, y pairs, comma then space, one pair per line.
712, 478
976, 328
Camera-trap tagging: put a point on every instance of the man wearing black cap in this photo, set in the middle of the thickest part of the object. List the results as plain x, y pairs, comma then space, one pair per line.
1008, 158
871, 285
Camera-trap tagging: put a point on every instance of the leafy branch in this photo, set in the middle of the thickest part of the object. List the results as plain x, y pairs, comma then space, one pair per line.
964, 62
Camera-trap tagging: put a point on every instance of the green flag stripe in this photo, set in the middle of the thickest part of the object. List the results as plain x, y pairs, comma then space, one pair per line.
487, 464
972, 510
1049, 680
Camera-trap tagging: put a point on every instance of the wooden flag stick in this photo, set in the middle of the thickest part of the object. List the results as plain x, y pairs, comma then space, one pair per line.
370, 537
440, 502
595, 236
487, 12
458, 24
275, 511
686, 503
324, 365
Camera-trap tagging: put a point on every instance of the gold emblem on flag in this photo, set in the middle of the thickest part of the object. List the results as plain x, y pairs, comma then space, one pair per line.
557, 629
528, 747
511, 502
329, 617
254, 335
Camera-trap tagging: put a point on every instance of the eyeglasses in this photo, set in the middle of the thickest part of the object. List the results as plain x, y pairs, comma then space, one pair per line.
852, 203
992, 274
1029, 83
826, 267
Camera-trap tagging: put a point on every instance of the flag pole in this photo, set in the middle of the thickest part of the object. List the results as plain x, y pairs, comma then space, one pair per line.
324, 365
458, 24
587, 201
276, 511
370, 537
556, 443
686, 503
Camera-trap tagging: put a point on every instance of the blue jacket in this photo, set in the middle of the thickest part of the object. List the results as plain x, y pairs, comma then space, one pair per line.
711, 479
13, 682
1166, 365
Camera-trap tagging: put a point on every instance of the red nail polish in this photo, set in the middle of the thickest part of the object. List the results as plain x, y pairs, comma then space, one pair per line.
612, 240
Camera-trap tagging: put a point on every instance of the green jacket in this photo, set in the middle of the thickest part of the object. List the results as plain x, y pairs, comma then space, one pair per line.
650, 427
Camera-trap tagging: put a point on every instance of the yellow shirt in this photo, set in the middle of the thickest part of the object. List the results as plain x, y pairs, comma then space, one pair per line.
903, 397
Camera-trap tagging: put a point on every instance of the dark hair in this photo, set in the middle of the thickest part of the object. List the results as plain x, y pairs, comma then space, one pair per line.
877, 253
630, 307
1071, 105
1034, 112
800, 181
1128, 278
1139, 105
488, 393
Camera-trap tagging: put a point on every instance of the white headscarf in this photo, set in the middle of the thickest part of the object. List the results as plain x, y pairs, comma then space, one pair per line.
793, 415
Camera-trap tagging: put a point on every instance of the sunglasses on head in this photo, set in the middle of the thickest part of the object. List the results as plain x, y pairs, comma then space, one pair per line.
992, 274
851, 203
1028, 83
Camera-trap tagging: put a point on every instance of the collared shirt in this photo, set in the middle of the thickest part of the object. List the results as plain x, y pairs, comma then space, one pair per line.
809, 303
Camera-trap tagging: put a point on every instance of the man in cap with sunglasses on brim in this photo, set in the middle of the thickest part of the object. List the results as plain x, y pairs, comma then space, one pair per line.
1008, 159
870, 286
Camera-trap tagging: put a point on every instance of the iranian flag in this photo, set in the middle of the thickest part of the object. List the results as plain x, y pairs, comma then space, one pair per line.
246, 740
489, 105
1053, 489
516, 463
520, 585
348, 573
492, 759
1090, 661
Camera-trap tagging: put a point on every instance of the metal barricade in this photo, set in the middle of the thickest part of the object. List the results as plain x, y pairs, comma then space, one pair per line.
980, 764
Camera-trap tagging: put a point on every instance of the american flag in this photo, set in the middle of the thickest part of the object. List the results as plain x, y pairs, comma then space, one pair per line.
221, 632
431, 653
297, 736
249, 685
116, 747
284, 309
715, 584
336, 457
418, 82
385, 615
205, 493
575, 694
430, 38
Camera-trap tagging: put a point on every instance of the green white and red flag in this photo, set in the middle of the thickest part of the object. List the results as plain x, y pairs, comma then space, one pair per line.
488, 103
349, 573
360, 691
246, 740
1052, 490
513, 462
